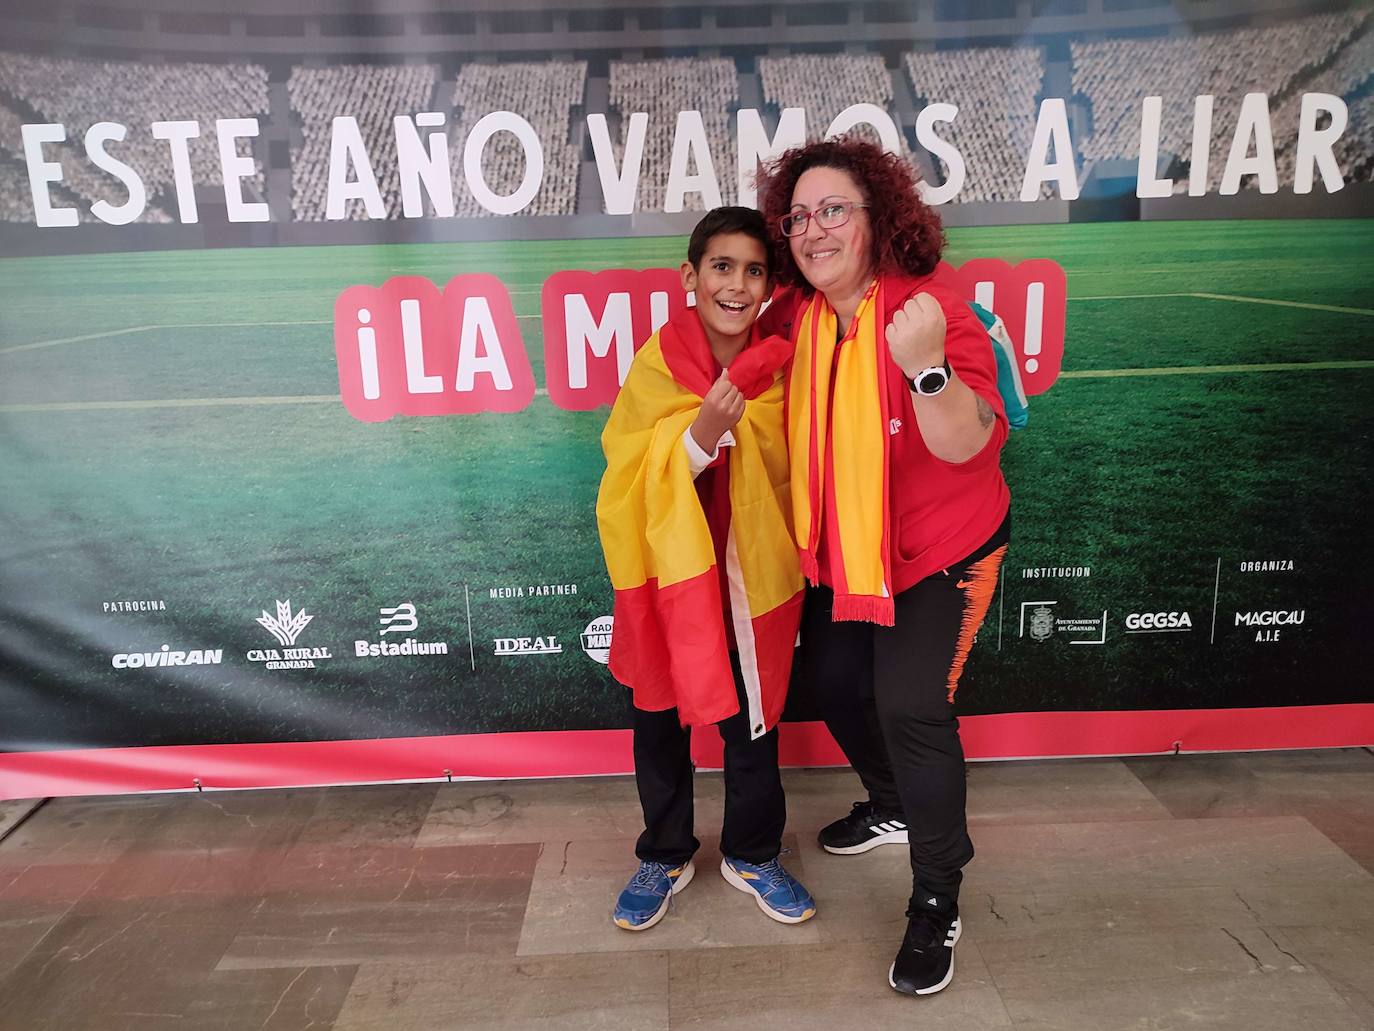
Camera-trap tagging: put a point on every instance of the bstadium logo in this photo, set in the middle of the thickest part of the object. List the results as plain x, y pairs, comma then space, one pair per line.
167, 656
286, 627
402, 619
527, 646
596, 639
1042, 620
1159, 623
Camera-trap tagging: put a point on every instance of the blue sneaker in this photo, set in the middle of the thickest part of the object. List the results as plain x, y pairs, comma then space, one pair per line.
780, 895
645, 899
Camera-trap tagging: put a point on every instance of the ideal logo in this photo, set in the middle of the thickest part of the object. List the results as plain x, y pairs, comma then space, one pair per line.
407, 348
401, 619
527, 646
286, 627
593, 324
596, 639
1158, 623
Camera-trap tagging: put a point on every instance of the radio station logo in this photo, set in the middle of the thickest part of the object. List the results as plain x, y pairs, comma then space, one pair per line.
286, 627
402, 619
1042, 620
1269, 624
532, 591
167, 656
527, 646
596, 639
1159, 623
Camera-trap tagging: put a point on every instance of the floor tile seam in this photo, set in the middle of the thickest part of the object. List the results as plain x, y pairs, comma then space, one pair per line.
1322, 976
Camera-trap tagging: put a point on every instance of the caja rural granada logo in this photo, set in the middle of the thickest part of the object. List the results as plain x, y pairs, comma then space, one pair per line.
408, 348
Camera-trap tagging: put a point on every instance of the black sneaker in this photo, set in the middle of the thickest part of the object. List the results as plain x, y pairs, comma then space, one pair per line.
864, 828
925, 962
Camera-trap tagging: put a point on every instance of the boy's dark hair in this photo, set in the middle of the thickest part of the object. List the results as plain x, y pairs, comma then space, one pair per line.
728, 219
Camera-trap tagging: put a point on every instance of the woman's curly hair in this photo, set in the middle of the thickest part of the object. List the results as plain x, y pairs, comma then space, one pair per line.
907, 236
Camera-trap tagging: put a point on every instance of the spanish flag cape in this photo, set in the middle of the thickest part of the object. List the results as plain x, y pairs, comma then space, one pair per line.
844, 398
669, 643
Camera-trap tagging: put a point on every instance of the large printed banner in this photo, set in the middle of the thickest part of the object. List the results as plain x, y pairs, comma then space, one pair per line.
291, 512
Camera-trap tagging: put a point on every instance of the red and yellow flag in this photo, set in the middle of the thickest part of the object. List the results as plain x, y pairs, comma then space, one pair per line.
669, 644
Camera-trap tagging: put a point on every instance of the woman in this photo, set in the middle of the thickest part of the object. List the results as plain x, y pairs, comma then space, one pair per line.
895, 428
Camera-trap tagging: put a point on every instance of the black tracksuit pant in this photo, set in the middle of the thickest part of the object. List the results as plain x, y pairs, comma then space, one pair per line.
755, 808
886, 694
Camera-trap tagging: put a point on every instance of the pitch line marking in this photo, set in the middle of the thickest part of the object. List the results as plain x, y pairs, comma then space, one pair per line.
185, 402
167, 325
1231, 297
1197, 370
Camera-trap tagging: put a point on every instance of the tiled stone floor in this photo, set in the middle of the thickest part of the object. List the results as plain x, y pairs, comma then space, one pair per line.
1232, 891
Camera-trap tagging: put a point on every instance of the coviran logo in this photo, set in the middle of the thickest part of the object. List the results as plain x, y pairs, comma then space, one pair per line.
1158, 623
167, 657
401, 619
596, 639
286, 627
527, 646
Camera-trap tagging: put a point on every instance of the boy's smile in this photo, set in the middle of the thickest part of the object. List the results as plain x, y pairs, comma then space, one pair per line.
731, 284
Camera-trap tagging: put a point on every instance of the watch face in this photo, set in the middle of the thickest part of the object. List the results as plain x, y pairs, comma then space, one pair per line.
932, 381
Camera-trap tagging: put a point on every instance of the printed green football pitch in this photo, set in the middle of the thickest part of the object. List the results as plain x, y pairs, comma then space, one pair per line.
170, 429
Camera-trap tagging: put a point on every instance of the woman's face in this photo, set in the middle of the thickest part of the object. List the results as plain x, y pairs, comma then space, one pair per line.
837, 262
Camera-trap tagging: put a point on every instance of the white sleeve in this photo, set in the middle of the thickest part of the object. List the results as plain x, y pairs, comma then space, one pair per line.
697, 459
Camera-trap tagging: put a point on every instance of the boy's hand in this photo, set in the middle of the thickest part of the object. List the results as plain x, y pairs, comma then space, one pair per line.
721, 408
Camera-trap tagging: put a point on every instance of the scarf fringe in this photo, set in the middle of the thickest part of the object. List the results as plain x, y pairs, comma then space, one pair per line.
810, 567
865, 607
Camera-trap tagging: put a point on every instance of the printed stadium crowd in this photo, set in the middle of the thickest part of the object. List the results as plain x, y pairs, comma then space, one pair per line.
1116, 75
80, 93
544, 95
661, 89
997, 91
373, 95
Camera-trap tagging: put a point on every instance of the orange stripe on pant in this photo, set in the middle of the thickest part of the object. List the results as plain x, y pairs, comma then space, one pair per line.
979, 584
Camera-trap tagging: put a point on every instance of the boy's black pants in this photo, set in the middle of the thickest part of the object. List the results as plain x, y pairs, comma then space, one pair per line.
755, 807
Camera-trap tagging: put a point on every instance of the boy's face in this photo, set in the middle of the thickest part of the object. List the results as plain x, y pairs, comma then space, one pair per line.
731, 283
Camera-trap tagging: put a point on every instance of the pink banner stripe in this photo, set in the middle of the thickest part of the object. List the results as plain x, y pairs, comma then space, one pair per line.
570, 753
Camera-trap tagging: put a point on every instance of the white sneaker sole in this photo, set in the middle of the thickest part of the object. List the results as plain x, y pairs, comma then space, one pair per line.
886, 838
683, 879
949, 974
735, 880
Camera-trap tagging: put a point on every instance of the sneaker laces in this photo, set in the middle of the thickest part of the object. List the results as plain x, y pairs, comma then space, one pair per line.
923, 930
648, 874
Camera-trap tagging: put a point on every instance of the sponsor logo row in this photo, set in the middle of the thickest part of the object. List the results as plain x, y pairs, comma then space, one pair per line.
1041, 621
286, 626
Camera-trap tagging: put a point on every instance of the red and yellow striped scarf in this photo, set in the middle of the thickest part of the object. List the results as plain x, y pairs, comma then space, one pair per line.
838, 406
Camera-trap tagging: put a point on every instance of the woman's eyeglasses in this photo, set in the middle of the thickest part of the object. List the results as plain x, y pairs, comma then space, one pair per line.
827, 216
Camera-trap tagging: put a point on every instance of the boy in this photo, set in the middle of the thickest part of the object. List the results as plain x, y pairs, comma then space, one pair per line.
696, 527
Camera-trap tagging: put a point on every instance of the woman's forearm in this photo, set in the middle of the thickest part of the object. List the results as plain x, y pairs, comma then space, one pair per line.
956, 423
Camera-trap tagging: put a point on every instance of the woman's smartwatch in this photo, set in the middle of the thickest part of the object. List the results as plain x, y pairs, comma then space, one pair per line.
929, 382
